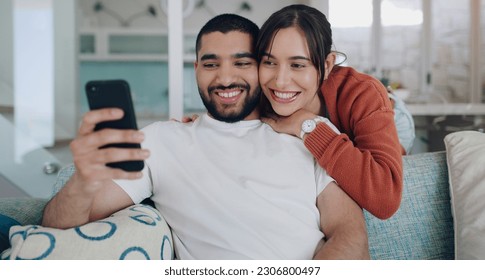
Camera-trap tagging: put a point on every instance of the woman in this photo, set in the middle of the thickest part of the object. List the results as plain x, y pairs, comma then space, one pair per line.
344, 117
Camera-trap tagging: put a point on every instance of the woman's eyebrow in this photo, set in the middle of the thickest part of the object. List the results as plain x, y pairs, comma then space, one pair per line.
296, 57
244, 55
269, 55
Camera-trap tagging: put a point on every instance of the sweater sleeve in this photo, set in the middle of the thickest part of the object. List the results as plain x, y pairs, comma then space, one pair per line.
369, 168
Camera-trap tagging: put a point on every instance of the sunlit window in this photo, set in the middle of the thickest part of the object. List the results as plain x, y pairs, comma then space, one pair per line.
358, 13
401, 12
350, 13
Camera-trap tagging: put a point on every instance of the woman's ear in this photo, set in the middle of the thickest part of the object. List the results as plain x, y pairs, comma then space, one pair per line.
329, 63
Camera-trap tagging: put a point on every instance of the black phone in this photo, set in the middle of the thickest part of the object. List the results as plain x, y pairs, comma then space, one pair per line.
115, 94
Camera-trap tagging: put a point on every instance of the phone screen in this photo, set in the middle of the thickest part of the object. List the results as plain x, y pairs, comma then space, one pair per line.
115, 94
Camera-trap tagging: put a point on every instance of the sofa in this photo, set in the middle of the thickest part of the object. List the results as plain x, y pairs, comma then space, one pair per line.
422, 228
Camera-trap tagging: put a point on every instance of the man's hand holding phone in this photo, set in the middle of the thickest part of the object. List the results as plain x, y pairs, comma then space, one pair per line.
89, 156
78, 202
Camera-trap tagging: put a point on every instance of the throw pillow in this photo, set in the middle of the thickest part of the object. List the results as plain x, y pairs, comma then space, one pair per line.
466, 168
137, 232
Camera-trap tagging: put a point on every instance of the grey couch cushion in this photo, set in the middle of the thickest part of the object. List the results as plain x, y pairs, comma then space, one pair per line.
25, 210
422, 228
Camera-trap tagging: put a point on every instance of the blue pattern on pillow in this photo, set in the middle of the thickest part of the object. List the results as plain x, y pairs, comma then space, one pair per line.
100, 237
166, 240
144, 219
29, 232
134, 249
155, 212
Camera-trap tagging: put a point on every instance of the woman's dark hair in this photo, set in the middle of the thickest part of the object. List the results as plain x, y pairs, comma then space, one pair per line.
311, 21
226, 23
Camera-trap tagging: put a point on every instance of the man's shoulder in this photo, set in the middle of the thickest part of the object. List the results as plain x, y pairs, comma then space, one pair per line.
164, 125
165, 130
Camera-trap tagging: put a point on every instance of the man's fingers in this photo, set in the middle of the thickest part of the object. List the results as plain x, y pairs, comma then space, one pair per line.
118, 154
92, 166
91, 118
103, 137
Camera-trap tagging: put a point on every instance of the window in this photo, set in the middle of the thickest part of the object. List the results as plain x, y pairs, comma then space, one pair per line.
400, 54
451, 40
429, 47
351, 31
359, 16
401, 12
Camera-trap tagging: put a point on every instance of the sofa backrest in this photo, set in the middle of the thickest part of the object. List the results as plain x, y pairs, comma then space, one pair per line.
422, 228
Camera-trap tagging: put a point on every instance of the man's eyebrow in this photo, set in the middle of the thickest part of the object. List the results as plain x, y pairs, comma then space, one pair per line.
208, 56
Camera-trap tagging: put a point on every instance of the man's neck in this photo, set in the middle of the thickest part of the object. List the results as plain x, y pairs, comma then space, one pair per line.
254, 115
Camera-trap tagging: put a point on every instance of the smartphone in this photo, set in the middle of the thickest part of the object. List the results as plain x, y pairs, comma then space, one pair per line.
115, 94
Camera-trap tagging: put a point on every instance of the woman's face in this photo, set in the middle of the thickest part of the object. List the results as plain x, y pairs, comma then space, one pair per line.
287, 76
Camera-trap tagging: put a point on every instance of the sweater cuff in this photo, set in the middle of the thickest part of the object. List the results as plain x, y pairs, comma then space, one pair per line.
319, 139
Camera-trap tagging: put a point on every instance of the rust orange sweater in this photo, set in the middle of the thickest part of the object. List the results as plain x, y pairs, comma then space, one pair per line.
366, 159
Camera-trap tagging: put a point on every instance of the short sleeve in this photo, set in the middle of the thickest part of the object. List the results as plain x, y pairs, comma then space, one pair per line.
322, 179
138, 189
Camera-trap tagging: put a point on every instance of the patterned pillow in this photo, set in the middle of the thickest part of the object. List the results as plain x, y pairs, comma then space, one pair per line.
137, 232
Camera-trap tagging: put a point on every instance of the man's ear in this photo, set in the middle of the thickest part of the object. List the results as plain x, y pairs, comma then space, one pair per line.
195, 65
329, 63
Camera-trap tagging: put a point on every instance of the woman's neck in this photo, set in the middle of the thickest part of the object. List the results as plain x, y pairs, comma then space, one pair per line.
317, 105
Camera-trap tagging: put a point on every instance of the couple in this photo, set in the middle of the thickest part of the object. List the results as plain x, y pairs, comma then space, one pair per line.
229, 186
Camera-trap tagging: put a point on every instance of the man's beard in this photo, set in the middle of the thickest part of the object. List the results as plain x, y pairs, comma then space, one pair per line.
251, 101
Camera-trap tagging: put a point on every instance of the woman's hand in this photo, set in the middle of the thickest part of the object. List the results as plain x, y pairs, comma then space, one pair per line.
187, 119
290, 124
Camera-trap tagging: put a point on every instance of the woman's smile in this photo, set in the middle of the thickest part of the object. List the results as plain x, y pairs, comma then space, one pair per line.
284, 96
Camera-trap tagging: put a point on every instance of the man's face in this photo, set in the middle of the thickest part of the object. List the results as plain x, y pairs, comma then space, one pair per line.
227, 76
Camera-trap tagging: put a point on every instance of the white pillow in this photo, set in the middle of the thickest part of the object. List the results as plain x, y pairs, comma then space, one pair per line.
465, 153
137, 232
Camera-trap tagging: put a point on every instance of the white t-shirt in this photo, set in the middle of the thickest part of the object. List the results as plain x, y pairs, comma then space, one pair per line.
232, 191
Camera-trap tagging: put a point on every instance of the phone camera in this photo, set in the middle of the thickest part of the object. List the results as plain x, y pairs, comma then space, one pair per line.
93, 88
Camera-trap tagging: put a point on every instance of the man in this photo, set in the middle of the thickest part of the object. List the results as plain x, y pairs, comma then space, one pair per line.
229, 186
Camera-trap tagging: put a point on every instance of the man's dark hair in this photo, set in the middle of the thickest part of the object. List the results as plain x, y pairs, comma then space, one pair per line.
311, 21
226, 23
